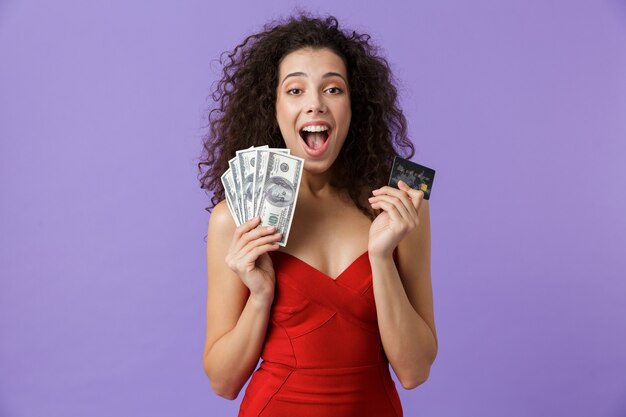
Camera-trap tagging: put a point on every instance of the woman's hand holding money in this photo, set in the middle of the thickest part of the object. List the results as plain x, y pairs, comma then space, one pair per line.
248, 258
399, 216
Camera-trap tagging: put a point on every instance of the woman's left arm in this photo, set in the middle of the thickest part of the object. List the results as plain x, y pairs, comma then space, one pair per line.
403, 290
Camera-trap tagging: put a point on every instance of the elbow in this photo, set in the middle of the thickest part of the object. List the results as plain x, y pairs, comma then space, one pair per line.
224, 391
419, 373
415, 380
222, 386
417, 376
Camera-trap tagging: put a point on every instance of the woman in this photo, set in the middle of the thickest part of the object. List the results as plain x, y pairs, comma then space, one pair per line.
351, 292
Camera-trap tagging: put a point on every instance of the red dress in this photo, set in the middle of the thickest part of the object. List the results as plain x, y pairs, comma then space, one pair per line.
323, 356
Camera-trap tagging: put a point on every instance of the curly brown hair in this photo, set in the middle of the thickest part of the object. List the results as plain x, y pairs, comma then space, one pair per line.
244, 114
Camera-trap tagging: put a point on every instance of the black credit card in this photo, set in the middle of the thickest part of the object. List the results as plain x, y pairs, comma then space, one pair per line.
414, 175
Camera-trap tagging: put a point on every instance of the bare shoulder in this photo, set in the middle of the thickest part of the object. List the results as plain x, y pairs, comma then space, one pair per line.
221, 223
220, 235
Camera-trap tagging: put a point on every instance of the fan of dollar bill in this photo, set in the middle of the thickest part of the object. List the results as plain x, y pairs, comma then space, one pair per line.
264, 182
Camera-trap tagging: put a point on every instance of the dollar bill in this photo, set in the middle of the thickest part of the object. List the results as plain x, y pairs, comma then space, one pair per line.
247, 161
230, 192
280, 192
236, 172
259, 173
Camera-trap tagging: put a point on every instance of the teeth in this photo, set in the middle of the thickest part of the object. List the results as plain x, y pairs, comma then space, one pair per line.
315, 128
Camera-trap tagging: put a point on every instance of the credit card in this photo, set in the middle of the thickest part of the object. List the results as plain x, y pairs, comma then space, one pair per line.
414, 175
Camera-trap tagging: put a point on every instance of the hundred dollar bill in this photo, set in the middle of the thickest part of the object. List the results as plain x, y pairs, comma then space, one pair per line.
229, 191
247, 161
280, 192
259, 174
236, 171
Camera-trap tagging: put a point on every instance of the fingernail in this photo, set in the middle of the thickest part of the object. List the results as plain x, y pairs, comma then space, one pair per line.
269, 228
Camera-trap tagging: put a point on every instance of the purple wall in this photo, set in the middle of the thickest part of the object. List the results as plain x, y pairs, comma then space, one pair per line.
519, 105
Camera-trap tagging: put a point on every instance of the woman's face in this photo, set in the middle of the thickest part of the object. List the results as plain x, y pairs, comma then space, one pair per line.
313, 106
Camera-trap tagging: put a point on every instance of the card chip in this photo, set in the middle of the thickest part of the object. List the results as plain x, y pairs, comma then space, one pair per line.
414, 175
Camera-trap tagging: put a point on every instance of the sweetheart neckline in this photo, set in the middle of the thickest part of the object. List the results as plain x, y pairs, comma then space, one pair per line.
341, 274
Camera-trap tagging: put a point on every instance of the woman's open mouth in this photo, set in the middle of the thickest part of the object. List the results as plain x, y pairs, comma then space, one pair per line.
315, 138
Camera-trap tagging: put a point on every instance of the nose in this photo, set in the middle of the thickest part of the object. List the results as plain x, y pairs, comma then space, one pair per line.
315, 105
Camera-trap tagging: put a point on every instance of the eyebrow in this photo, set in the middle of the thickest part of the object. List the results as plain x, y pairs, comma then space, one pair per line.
302, 74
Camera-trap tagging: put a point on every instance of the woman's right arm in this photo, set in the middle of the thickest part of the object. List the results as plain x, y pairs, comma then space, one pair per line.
240, 294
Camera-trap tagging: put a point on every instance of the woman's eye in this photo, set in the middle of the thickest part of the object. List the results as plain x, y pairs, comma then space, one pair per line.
334, 90
294, 91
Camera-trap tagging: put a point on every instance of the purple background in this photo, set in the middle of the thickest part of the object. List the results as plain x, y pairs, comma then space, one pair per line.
519, 105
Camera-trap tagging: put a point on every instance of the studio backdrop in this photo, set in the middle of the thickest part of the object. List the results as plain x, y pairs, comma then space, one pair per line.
520, 106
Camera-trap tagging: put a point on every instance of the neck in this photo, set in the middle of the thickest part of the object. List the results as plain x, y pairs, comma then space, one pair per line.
316, 185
